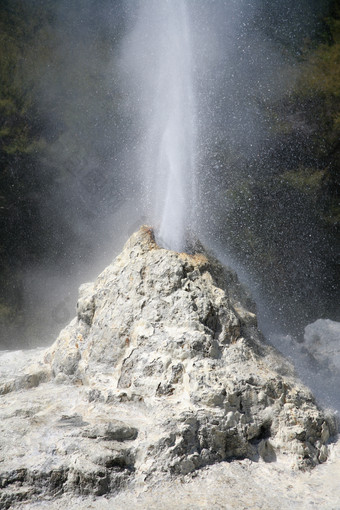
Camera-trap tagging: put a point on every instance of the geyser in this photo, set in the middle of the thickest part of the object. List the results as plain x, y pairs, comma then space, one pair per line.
160, 56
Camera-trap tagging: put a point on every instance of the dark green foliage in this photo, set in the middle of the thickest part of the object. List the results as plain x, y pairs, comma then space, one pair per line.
21, 140
60, 130
282, 208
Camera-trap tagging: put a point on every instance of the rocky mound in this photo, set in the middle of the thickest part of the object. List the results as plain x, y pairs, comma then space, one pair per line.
162, 372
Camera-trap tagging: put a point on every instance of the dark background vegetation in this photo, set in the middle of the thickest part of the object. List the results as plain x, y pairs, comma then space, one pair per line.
65, 135
275, 189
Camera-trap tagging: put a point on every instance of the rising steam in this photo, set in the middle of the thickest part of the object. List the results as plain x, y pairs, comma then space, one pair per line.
159, 51
156, 108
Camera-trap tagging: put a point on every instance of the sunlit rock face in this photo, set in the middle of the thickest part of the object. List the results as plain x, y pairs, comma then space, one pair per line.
162, 372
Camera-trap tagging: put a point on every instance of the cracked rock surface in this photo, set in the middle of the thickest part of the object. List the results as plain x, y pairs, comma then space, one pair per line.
162, 373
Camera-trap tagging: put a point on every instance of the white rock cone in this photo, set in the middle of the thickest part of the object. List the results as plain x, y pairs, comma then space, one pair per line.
162, 372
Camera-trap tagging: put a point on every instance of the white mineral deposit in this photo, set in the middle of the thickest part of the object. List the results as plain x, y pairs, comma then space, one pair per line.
162, 391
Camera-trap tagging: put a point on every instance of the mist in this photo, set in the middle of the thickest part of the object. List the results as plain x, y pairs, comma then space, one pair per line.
120, 154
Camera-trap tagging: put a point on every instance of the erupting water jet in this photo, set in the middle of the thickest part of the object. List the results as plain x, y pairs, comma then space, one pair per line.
161, 44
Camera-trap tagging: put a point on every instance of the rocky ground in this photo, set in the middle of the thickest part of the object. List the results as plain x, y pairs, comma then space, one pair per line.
162, 393
240, 485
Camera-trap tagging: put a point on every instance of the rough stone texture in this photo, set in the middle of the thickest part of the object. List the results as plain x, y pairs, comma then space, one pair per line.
241, 484
162, 373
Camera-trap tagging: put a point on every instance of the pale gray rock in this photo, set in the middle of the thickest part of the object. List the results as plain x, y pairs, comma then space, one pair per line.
21, 377
162, 373
236, 485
